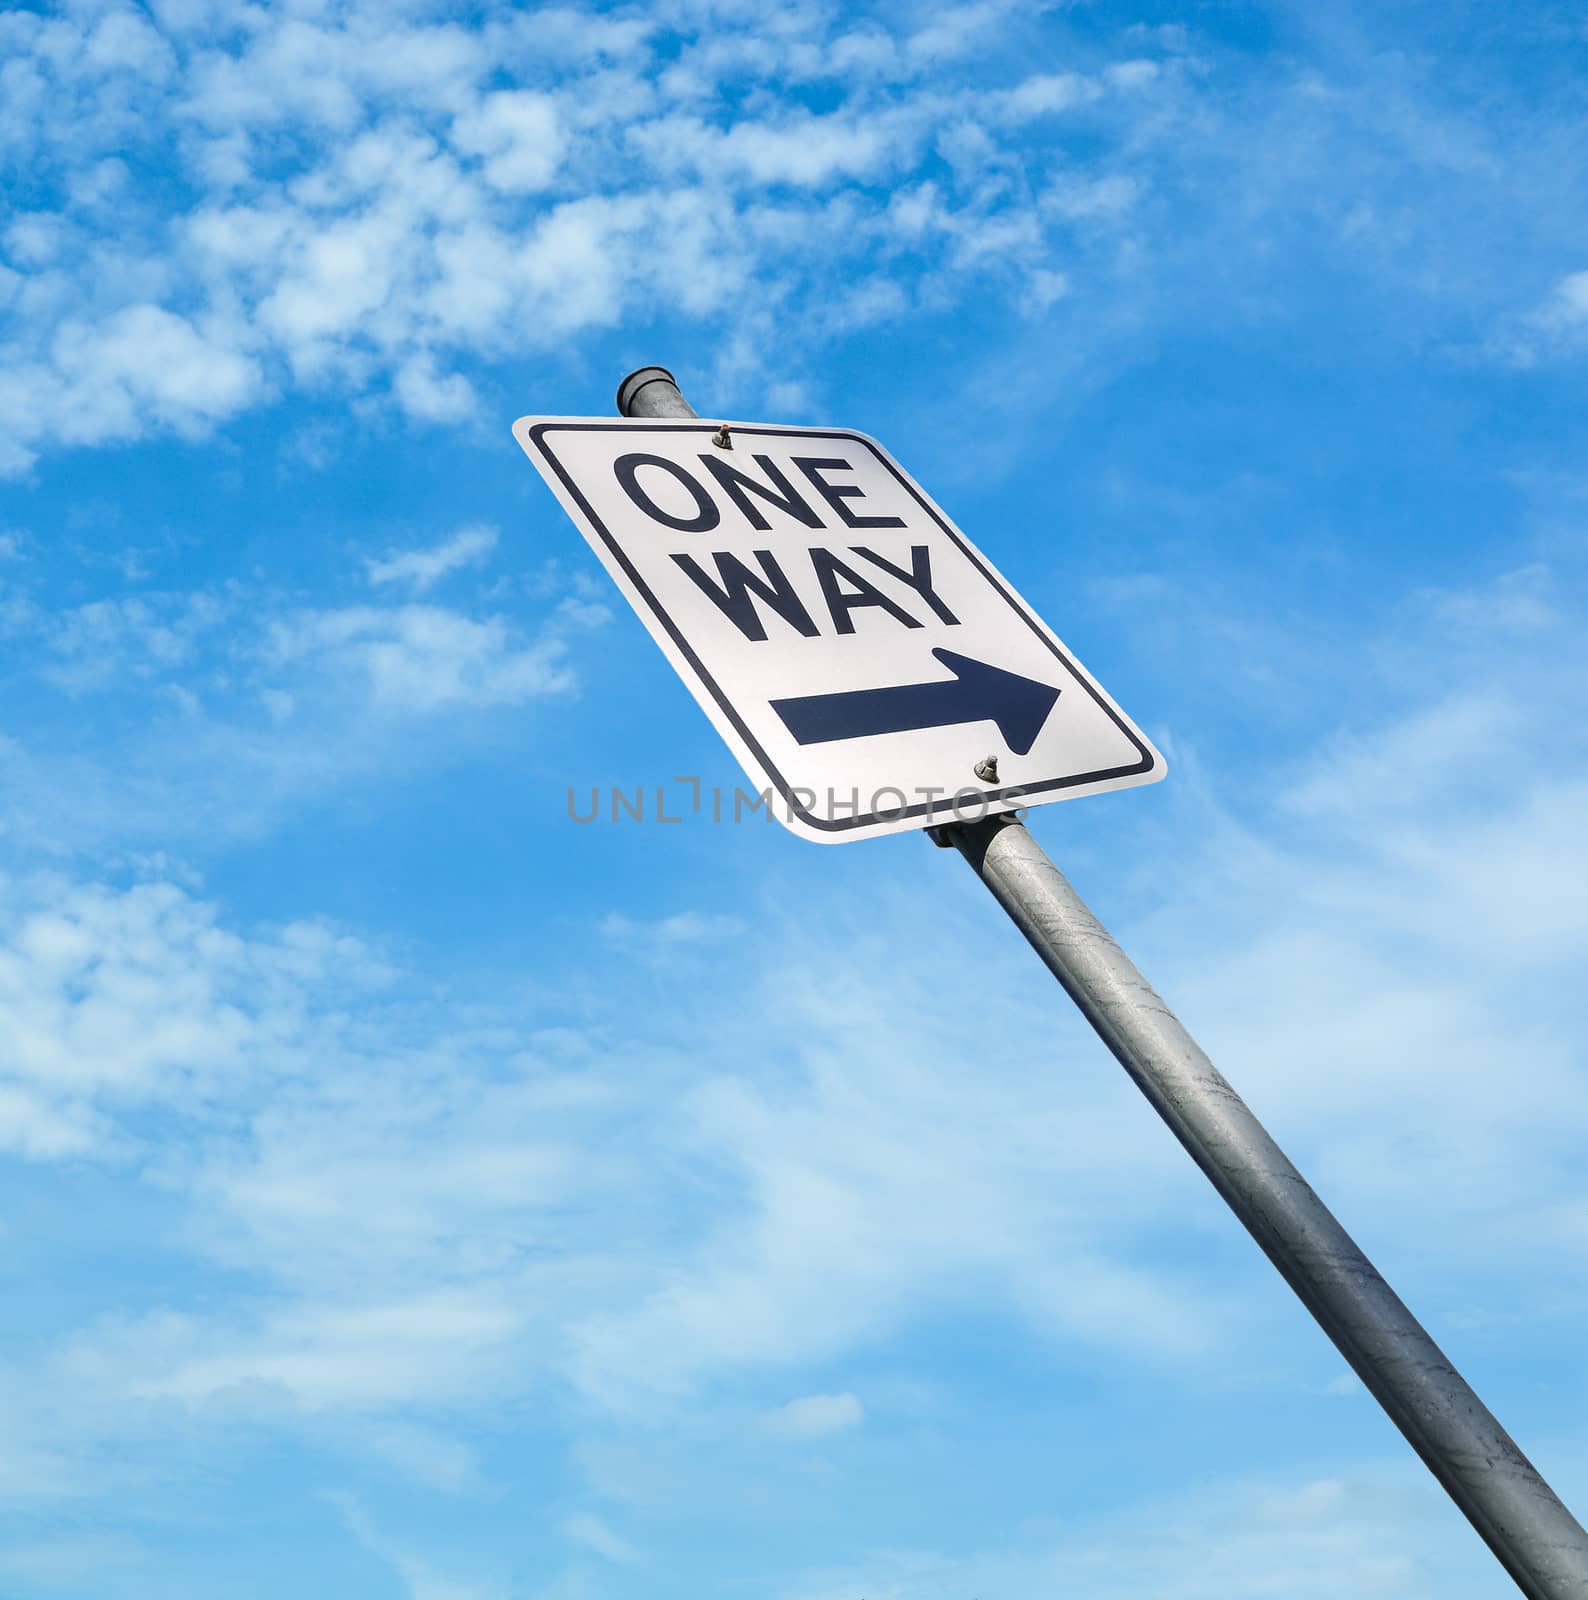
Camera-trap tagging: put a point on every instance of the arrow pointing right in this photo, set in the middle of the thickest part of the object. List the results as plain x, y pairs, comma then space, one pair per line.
976, 693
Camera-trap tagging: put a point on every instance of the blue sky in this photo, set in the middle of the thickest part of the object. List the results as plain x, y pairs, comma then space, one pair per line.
410, 1194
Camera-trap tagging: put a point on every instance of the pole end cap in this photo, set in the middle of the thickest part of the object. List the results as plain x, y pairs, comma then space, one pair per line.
637, 380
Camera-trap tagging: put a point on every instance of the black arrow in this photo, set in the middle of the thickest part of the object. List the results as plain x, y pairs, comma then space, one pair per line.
976, 693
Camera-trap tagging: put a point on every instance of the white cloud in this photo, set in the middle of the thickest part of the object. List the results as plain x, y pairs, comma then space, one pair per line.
105, 642
1045, 289
334, 278
146, 355
418, 659
800, 149
118, 1000
1517, 602
682, 927
1369, 1534
141, 366
518, 137
593, 1533
428, 395
421, 1579
1048, 94
124, 41
38, 1127
1091, 199
363, 1356
814, 1416
954, 29
1133, 74
839, 1228
422, 569
1569, 302
35, 239
369, 205
210, 713
1556, 327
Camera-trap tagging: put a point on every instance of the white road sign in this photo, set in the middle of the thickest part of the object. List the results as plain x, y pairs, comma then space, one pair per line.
860, 656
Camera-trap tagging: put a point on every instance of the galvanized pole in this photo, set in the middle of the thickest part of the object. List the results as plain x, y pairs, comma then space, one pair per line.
1535, 1537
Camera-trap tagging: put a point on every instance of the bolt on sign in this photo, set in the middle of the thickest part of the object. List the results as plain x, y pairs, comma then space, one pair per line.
865, 663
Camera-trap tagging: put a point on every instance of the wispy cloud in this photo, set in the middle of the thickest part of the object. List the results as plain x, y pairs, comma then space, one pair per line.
681, 929
1371, 1534
422, 1579
418, 659
1557, 326
212, 708
422, 569
589, 1530
814, 1416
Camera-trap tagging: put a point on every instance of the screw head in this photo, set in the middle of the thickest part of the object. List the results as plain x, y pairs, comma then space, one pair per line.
987, 769
721, 438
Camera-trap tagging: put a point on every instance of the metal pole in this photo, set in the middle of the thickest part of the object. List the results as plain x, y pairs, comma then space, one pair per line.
652, 392
1535, 1537
1498, 1489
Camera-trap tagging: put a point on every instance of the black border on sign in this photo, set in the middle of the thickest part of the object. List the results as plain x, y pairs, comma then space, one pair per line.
832, 824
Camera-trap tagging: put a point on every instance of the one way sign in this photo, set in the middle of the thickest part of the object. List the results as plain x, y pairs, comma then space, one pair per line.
860, 656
